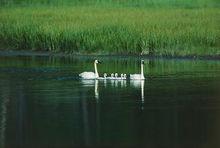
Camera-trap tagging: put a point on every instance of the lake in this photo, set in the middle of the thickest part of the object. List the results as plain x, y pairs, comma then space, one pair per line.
43, 103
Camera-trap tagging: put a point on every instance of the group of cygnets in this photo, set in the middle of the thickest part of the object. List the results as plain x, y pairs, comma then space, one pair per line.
114, 76
95, 75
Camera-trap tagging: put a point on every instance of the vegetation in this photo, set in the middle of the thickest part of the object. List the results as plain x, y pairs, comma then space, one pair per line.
117, 3
112, 27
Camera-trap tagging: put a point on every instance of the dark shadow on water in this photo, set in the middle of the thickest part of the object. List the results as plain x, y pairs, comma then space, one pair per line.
43, 103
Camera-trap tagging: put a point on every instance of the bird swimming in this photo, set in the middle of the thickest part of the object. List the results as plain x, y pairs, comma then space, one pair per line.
91, 75
139, 76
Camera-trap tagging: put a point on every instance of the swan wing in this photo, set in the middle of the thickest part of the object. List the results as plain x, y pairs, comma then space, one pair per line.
88, 75
101, 78
135, 76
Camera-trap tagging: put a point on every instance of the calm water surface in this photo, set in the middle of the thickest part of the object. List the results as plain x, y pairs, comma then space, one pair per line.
43, 103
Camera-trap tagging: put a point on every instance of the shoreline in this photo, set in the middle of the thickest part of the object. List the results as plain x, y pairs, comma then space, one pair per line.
20, 53
91, 30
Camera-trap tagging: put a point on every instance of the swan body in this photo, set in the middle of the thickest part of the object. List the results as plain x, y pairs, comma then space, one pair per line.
111, 77
103, 78
105, 75
115, 77
88, 75
136, 77
91, 75
123, 76
139, 76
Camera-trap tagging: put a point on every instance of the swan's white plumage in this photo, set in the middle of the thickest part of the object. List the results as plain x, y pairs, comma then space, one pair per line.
103, 78
111, 77
91, 75
136, 77
88, 75
139, 76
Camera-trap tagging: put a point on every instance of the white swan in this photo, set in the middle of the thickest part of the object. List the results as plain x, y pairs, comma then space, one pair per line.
91, 75
103, 78
111, 77
116, 77
123, 76
139, 76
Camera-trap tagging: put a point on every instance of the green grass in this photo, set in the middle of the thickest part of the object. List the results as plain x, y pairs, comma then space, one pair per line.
112, 30
117, 3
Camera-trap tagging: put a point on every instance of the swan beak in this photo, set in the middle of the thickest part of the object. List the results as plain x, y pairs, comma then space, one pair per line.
99, 62
142, 62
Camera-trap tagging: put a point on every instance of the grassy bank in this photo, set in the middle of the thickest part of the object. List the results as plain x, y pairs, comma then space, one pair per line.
115, 3
112, 30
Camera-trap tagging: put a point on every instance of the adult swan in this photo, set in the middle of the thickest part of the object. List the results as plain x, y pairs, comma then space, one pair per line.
91, 75
139, 76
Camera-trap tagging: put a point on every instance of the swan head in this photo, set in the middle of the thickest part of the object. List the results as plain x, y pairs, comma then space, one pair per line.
125, 75
105, 75
142, 61
97, 61
116, 75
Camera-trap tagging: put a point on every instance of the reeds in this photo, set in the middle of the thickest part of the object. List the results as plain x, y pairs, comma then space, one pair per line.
115, 3
113, 30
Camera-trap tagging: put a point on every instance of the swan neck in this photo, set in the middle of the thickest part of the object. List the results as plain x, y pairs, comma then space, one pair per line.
96, 71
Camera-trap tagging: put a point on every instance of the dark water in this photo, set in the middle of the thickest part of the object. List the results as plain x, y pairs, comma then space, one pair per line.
44, 104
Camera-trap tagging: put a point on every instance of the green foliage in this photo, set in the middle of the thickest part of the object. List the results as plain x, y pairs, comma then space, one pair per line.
117, 3
89, 29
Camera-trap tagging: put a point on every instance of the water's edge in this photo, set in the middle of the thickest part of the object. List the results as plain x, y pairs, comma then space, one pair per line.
61, 54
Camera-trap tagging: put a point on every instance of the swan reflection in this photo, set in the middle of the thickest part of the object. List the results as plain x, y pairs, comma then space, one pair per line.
118, 83
95, 83
92, 83
88, 83
96, 90
139, 84
115, 84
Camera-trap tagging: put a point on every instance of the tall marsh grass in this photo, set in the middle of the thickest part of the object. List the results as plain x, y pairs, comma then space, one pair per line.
117, 3
112, 30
